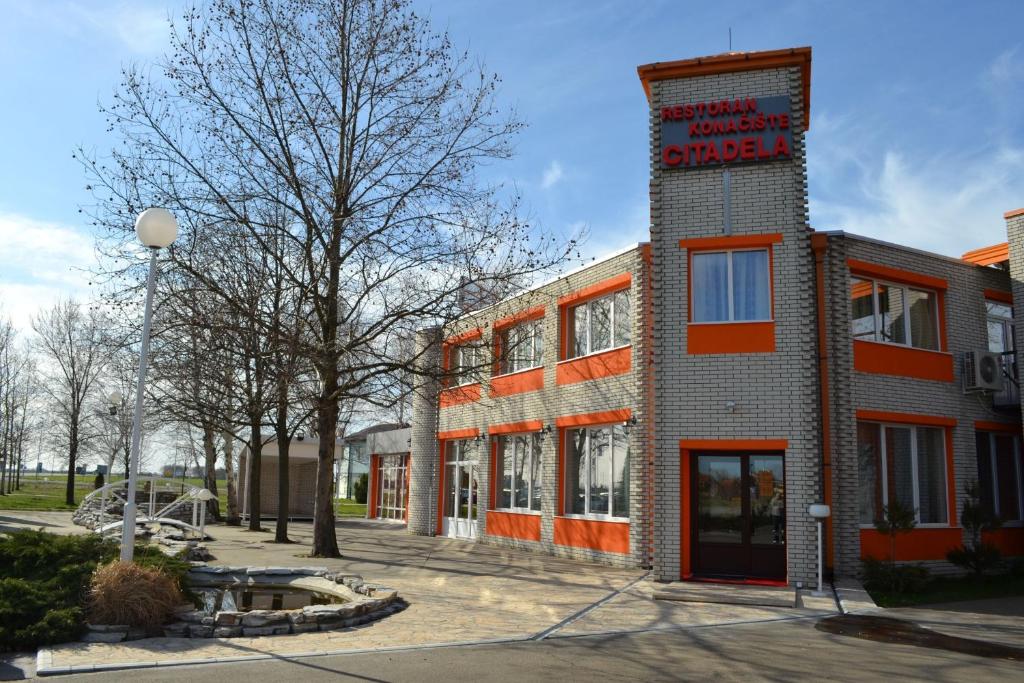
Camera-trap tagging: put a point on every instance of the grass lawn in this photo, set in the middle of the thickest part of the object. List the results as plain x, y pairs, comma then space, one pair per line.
953, 590
347, 507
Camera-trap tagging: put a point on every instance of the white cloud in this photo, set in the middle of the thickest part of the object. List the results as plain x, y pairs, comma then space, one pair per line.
139, 26
552, 175
40, 262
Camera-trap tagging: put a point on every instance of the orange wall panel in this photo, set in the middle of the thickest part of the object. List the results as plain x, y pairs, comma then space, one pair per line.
1009, 540
609, 537
916, 545
517, 383
513, 525
730, 338
458, 395
902, 361
595, 366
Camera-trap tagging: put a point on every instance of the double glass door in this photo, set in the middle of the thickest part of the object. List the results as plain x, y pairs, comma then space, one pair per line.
462, 486
392, 496
739, 515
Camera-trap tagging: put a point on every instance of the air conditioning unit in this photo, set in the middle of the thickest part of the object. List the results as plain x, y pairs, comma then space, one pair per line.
983, 371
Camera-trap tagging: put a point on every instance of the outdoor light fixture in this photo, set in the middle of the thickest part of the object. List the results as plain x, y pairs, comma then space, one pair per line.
156, 229
820, 513
482, 436
115, 401
545, 431
627, 425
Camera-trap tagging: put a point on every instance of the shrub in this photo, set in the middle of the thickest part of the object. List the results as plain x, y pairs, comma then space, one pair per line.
45, 581
128, 593
976, 556
894, 578
360, 487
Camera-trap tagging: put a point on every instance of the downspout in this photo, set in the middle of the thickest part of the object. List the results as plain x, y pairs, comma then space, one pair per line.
819, 244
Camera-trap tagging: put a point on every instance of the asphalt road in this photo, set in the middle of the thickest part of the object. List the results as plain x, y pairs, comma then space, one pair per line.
779, 651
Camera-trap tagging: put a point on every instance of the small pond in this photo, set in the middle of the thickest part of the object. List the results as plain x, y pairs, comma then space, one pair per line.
246, 598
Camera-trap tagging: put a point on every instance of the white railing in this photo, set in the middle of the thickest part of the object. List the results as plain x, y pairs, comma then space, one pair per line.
148, 512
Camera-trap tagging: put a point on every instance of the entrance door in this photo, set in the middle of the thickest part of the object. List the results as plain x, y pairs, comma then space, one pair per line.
462, 485
392, 489
738, 515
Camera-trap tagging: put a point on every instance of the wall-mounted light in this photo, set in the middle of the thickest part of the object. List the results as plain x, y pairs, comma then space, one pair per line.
730, 406
482, 436
628, 425
545, 431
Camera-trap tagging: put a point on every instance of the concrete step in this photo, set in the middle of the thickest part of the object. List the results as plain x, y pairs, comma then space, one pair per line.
725, 594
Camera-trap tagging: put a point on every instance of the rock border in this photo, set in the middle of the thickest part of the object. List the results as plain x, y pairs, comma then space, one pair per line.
364, 603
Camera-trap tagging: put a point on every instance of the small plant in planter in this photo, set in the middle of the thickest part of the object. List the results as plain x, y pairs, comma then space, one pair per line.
976, 556
896, 519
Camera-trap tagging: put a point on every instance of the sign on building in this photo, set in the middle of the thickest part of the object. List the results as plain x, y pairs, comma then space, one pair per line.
742, 130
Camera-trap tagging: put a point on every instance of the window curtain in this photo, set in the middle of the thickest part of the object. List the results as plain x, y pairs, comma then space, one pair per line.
710, 285
750, 285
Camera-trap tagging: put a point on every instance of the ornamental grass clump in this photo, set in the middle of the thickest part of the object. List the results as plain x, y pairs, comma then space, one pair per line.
134, 595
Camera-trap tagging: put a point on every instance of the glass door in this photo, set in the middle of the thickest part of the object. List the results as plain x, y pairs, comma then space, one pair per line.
462, 485
738, 516
392, 477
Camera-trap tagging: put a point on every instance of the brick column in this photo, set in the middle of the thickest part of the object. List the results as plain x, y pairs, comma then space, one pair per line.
422, 480
1015, 237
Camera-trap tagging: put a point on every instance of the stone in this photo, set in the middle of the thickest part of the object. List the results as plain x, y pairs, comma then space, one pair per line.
199, 631
207, 621
227, 631
304, 628
332, 624
297, 617
265, 630
256, 570
108, 628
104, 636
263, 617
228, 618
176, 630
279, 571
193, 616
135, 633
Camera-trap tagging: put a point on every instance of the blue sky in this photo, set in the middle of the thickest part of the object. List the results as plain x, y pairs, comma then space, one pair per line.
917, 135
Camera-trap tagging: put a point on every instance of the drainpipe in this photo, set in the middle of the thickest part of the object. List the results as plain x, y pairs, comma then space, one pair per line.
819, 244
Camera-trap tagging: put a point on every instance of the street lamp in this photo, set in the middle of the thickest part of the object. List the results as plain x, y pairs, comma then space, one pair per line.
156, 229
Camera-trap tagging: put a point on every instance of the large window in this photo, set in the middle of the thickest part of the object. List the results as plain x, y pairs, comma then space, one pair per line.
519, 469
999, 475
522, 347
895, 314
730, 286
466, 362
597, 472
902, 463
600, 324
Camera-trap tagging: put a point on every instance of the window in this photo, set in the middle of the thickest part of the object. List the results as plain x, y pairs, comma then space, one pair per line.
905, 464
999, 475
895, 314
999, 317
600, 324
522, 347
519, 467
731, 286
597, 472
465, 363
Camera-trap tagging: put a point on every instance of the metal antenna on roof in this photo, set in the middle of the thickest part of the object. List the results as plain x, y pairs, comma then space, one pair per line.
730, 39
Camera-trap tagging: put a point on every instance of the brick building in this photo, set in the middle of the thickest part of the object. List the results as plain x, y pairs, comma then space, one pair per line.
680, 404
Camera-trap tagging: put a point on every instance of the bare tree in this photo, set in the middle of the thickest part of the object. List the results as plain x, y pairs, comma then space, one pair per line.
70, 340
365, 129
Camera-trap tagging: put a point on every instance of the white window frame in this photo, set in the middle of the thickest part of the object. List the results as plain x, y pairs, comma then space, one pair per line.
461, 376
876, 314
571, 319
612, 517
505, 366
883, 474
730, 304
995, 478
535, 438
1005, 322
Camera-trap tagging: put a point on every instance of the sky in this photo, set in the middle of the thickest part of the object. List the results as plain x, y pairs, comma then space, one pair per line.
916, 129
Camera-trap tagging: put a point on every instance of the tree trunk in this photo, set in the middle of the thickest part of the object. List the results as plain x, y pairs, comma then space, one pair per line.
210, 452
69, 494
255, 463
325, 540
232, 482
283, 444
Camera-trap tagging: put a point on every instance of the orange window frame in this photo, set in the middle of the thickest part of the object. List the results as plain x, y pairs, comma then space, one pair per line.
874, 272
568, 302
567, 422
501, 326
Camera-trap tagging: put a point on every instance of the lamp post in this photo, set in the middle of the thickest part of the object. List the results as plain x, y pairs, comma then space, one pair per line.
156, 229
819, 513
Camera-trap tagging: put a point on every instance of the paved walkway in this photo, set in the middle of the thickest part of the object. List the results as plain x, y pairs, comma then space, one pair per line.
458, 592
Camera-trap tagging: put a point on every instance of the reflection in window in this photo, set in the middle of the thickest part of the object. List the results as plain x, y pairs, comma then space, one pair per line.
597, 471
905, 464
600, 324
519, 462
1000, 475
893, 313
